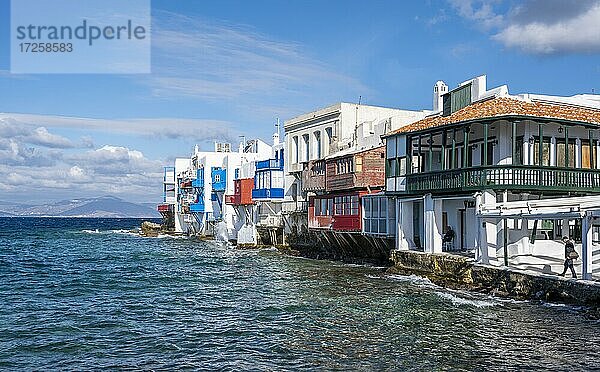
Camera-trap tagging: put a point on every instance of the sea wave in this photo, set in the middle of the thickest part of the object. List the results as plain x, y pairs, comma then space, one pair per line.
106, 232
86, 231
412, 279
463, 301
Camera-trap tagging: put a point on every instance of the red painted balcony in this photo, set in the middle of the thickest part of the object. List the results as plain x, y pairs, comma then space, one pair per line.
242, 192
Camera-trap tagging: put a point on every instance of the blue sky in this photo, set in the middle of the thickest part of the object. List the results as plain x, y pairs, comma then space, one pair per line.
221, 69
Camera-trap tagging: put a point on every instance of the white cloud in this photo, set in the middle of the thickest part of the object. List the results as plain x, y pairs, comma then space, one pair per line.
480, 11
114, 170
538, 26
574, 35
40, 136
192, 129
221, 61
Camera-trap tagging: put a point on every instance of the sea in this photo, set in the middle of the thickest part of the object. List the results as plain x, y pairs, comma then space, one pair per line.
88, 294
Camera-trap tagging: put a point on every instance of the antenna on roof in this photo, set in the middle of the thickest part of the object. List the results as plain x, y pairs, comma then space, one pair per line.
355, 136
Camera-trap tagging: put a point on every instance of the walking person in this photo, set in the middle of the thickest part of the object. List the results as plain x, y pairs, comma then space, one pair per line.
570, 255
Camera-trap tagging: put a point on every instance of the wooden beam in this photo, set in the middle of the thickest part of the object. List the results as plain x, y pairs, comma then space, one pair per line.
430, 142
567, 146
514, 143
540, 144
409, 150
453, 155
444, 138
465, 146
485, 143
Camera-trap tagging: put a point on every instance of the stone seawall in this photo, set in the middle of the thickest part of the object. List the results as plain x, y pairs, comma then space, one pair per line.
462, 273
342, 246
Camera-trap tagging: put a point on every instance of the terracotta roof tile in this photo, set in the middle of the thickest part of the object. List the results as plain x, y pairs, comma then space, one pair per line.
503, 106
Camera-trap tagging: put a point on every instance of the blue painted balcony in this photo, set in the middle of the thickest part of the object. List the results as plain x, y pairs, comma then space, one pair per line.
197, 207
276, 164
267, 194
199, 181
219, 179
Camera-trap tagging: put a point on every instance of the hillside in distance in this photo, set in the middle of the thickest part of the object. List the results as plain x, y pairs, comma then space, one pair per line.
101, 207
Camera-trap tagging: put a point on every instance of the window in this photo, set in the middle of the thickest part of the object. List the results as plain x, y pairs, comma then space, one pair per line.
306, 153
277, 179
391, 167
518, 160
329, 134
587, 155
490, 153
347, 205
545, 151
296, 150
379, 215
318, 144
323, 206
318, 168
562, 151
344, 165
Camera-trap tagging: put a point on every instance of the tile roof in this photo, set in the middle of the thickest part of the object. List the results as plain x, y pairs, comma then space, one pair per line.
504, 106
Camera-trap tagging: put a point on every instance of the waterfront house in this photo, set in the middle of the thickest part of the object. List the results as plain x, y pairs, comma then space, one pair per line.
203, 180
509, 174
334, 157
167, 207
257, 198
346, 177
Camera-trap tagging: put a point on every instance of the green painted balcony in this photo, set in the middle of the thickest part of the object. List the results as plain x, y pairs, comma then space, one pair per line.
505, 177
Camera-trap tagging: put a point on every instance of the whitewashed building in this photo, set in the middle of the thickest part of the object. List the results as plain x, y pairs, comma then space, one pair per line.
509, 174
312, 137
258, 195
203, 180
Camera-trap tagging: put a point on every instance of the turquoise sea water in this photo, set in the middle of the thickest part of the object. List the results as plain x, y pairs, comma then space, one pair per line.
79, 294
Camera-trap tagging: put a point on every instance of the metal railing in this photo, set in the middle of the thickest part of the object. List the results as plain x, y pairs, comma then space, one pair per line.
295, 207
506, 177
270, 164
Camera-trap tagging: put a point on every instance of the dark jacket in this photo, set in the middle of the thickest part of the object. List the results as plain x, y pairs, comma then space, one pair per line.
569, 247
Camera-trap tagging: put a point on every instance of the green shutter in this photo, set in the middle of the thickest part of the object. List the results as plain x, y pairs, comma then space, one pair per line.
460, 98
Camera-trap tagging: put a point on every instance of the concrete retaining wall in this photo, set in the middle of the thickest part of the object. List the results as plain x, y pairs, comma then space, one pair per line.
462, 273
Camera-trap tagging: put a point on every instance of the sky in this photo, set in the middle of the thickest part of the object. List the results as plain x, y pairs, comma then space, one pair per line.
222, 69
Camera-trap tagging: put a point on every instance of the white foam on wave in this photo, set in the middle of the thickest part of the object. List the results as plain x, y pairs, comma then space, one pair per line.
565, 307
169, 236
462, 301
86, 231
412, 279
108, 232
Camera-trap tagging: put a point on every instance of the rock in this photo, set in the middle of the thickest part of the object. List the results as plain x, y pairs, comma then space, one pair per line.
150, 228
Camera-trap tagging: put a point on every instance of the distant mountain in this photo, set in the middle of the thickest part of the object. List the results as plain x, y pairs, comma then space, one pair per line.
102, 207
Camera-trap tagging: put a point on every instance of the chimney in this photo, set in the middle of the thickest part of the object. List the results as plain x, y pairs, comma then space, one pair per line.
276, 134
439, 89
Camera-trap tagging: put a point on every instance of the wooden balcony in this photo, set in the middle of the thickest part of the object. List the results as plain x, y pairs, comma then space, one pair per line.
313, 176
506, 177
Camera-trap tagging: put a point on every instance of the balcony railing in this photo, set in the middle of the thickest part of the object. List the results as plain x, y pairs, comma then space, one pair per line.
267, 193
270, 164
199, 183
508, 177
197, 207
295, 207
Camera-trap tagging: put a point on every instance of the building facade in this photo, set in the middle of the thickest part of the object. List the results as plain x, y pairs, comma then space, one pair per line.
508, 174
325, 149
